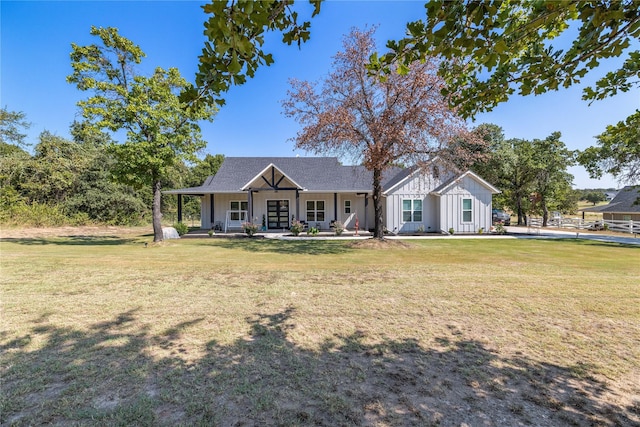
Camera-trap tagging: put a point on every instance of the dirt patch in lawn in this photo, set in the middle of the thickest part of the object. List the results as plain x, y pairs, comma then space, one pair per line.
380, 244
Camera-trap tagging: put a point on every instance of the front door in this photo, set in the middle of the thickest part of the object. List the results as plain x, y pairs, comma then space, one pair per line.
277, 214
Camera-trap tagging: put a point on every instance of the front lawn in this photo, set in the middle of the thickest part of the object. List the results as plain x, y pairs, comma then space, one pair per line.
101, 330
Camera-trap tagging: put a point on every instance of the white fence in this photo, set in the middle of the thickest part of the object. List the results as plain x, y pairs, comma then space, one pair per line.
629, 226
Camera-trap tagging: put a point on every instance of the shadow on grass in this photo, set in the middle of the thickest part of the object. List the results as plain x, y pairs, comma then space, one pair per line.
71, 240
307, 247
115, 374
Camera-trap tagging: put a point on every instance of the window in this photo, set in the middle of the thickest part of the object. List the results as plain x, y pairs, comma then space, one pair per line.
467, 213
347, 206
315, 210
412, 210
236, 208
626, 217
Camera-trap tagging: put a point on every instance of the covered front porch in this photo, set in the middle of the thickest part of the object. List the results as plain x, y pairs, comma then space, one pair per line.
273, 201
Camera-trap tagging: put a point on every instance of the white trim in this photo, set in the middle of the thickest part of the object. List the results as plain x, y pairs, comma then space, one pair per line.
245, 187
463, 210
473, 176
418, 169
402, 181
412, 210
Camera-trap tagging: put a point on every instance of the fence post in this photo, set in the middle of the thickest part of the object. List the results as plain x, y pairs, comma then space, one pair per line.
631, 226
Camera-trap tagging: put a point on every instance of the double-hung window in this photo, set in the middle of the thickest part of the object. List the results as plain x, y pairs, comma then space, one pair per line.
236, 213
347, 206
315, 210
412, 210
467, 210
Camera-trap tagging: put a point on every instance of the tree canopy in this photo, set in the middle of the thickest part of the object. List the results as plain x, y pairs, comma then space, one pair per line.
12, 124
497, 47
532, 174
160, 130
617, 151
235, 31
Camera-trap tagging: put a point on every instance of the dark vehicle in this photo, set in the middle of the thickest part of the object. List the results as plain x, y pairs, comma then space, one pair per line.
498, 215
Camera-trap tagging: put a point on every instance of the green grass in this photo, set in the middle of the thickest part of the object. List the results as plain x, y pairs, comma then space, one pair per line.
101, 330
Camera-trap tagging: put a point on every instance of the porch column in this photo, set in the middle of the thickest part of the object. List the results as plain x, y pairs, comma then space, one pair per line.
366, 205
297, 205
250, 206
335, 206
179, 207
211, 210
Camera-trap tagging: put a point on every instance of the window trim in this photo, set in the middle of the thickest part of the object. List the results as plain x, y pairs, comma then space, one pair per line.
470, 210
239, 211
413, 211
349, 207
315, 211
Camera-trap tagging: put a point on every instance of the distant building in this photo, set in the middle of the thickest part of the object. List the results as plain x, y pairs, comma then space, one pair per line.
624, 206
610, 195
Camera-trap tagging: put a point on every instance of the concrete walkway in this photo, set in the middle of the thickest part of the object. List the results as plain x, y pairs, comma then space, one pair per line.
514, 232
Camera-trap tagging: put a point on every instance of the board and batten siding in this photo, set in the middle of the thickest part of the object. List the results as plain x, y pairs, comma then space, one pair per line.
417, 187
451, 207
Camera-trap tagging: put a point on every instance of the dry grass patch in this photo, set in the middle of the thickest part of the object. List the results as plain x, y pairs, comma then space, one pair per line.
101, 330
380, 244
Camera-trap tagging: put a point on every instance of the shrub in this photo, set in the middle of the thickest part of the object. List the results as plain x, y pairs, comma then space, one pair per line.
313, 231
500, 228
249, 228
296, 227
38, 215
181, 228
452, 231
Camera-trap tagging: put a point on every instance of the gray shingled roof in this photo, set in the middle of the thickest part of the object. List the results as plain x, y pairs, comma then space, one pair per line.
321, 174
626, 201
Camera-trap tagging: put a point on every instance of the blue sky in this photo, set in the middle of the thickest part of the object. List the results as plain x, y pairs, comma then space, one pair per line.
36, 39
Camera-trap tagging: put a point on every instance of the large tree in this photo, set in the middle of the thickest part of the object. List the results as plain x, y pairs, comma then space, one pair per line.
552, 182
532, 174
403, 119
160, 130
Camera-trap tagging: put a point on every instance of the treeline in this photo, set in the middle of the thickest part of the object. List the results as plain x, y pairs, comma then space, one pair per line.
532, 175
71, 182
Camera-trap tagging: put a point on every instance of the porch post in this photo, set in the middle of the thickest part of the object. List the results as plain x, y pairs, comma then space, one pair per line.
335, 206
211, 210
250, 206
297, 205
366, 205
179, 207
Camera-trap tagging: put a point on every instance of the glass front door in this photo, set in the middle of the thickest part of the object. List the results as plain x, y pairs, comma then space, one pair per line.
277, 214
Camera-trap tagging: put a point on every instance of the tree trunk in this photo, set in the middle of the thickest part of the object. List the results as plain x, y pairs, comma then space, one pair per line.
545, 211
521, 219
157, 214
378, 232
